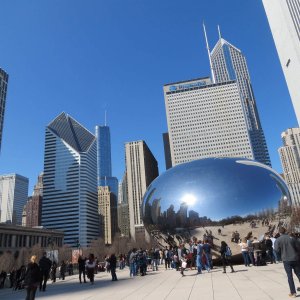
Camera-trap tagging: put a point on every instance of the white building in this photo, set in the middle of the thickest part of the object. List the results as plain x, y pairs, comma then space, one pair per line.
141, 170
290, 160
13, 197
218, 117
206, 120
284, 21
70, 201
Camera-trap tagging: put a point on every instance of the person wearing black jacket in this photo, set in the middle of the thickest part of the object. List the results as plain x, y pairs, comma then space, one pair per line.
225, 257
81, 268
45, 265
113, 266
32, 278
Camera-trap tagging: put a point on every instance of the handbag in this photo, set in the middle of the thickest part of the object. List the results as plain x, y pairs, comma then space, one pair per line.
183, 264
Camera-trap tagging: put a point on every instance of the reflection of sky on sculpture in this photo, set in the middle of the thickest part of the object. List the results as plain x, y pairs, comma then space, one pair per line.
222, 188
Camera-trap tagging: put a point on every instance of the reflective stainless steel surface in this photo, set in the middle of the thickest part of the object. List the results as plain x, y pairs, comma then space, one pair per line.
206, 190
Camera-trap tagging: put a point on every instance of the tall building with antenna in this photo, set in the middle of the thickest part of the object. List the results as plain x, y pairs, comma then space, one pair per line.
217, 116
107, 184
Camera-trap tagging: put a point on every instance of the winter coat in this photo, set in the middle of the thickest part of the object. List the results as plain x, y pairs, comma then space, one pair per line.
32, 275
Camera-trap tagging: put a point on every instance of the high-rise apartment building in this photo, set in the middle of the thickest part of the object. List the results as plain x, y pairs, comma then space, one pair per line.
33, 207
284, 21
290, 159
13, 196
3, 91
218, 117
141, 170
107, 203
70, 201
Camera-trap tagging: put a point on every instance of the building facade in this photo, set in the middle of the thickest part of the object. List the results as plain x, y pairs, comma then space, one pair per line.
206, 120
107, 203
123, 208
104, 165
13, 238
3, 92
13, 197
141, 170
290, 159
284, 21
229, 64
215, 117
70, 201
33, 207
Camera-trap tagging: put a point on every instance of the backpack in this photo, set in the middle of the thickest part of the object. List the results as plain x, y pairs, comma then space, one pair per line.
228, 251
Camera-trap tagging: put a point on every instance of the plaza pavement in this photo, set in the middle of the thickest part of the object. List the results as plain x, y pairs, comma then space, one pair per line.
259, 283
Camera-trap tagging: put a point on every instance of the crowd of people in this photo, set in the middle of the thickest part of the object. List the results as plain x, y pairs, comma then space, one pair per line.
195, 254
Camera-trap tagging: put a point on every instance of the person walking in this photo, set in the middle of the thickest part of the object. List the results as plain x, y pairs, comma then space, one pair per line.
81, 268
62, 270
113, 266
45, 265
90, 268
226, 256
53, 272
32, 278
289, 250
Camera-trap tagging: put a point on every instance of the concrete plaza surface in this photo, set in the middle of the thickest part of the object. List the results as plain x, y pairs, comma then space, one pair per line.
266, 282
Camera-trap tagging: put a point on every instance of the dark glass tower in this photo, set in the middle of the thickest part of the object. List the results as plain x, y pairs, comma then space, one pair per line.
104, 173
3, 89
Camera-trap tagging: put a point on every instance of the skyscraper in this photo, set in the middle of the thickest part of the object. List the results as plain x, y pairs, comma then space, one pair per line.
290, 159
141, 170
13, 196
123, 208
104, 167
3, 91
33, 207
70, 201
107, 203
215, 117
284, 21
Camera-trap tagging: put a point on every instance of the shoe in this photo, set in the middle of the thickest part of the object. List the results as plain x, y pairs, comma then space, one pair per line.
224, 271
298, 289
232, 271
293, 295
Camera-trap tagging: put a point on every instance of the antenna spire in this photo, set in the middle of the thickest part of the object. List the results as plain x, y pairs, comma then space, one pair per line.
219, 31
209, 56
105, 117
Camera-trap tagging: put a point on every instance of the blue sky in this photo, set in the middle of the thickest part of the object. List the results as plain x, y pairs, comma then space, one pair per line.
85, 57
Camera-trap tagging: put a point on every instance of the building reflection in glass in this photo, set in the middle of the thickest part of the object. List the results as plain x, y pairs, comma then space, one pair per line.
208, 191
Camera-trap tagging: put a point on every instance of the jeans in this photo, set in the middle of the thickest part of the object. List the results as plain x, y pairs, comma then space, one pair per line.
132, 267
199, 263
289, 266
246, 258
31, 293
82, 272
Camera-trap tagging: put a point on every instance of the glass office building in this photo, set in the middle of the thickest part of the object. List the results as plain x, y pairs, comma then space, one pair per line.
70, 200
3, 91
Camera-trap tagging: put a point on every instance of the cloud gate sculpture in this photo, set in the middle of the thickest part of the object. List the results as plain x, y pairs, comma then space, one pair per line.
208, 191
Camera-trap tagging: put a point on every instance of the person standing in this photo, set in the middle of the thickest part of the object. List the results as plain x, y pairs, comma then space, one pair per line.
199, 257
113, 266
32, 278
62, 270
81, 268
90, 267
226, 256
244, 249
45, 265
289, 250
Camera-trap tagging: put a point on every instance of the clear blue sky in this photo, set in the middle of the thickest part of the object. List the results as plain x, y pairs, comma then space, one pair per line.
85, 57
